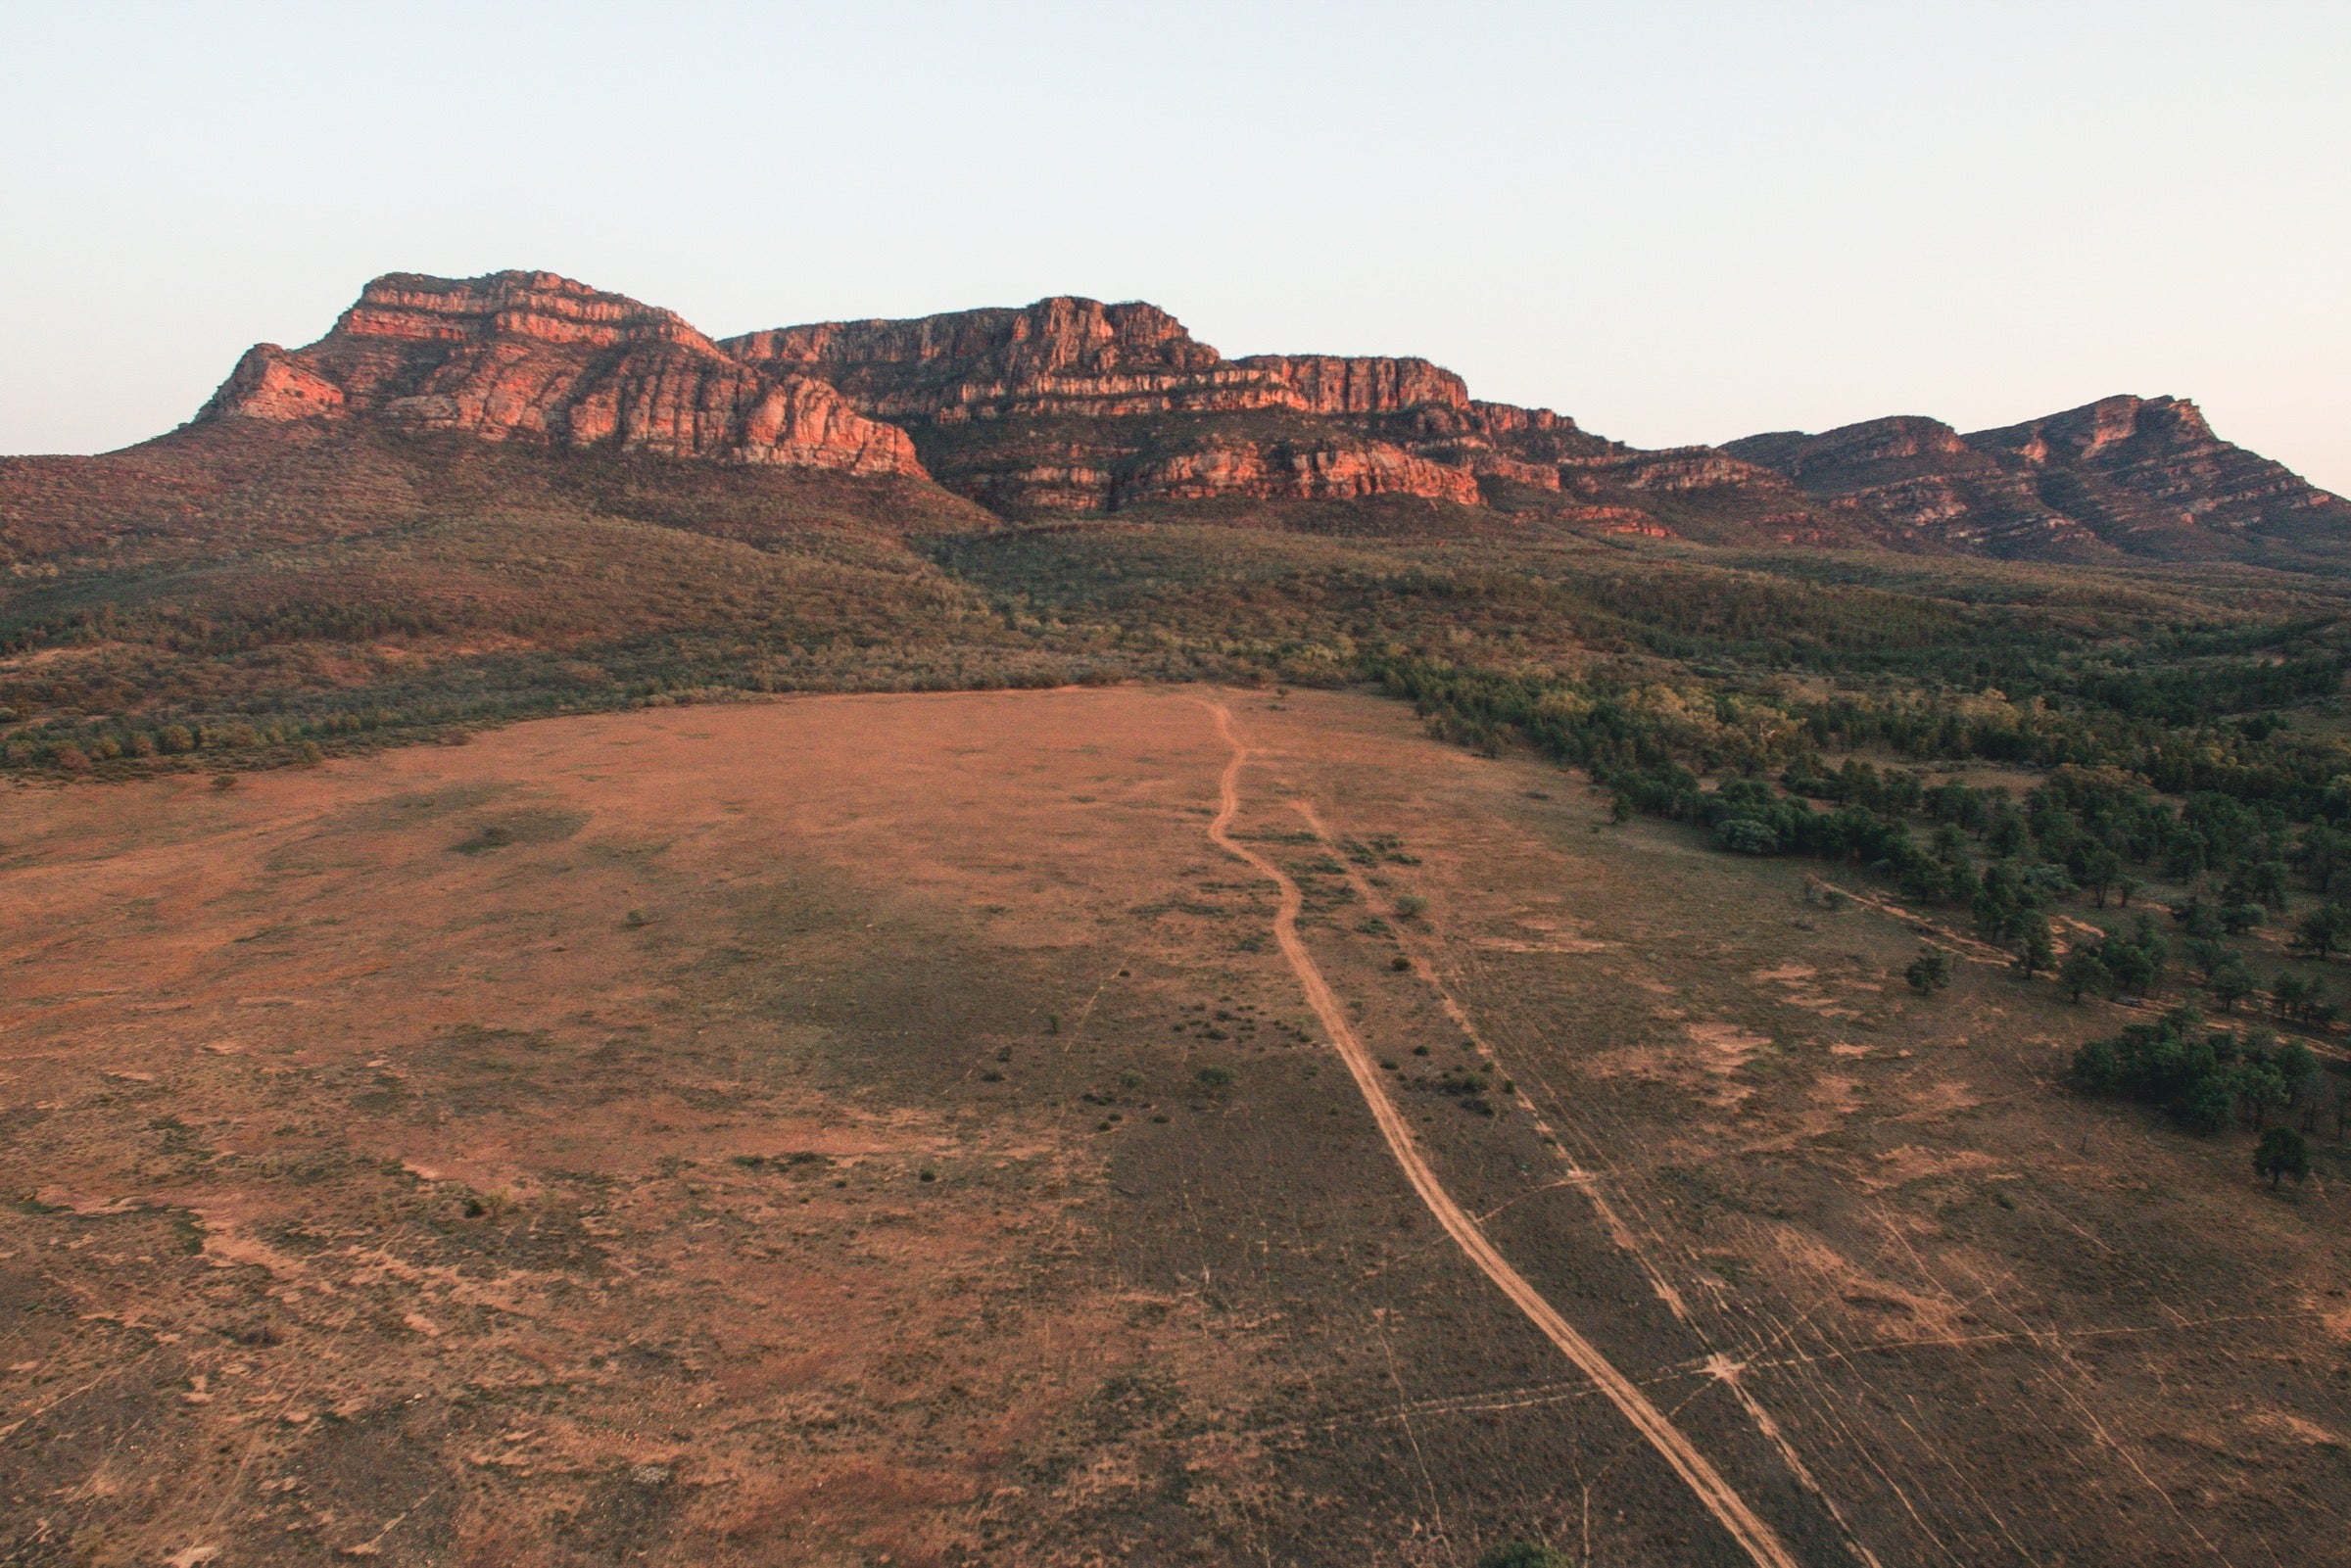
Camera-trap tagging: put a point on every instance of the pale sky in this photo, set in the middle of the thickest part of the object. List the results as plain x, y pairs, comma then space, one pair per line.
1677, 222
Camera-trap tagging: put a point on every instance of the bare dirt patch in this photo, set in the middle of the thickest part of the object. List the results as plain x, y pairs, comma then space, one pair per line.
843, 1127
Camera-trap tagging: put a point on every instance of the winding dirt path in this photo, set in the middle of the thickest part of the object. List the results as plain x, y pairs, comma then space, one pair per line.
1759, 1540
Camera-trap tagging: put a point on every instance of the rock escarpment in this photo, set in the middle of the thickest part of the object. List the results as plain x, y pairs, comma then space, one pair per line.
532, 356
2122, 475
1071, 404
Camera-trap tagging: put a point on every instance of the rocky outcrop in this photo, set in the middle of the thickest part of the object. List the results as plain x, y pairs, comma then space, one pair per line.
268, 384
2122, 475
1670, 468
532, 356
1072, 406
1328, 383
1056, 357
1331, 471
1902, 438
2148, 465
1066, 356
999, 401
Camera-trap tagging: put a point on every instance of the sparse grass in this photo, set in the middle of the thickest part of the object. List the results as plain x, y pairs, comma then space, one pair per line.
1113, 1262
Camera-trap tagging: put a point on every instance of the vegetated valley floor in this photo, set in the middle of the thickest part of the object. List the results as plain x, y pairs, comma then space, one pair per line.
840, 1130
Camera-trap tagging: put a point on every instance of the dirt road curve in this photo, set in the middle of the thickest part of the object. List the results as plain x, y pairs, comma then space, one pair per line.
1730, 1509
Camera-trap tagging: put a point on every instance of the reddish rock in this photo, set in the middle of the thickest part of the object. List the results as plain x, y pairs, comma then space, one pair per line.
990, 394
1071, 405
532, 356
267, 383
2122, 475
1671, 469
1334, 471
1326, 383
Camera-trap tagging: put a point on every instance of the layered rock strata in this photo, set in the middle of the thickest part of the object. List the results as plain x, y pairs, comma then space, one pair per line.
1072, 406
1075, 404
532, 356
2133, 475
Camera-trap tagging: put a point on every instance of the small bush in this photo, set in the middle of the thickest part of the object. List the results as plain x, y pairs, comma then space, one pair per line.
2281, 1151
1744, 835
1215, 1079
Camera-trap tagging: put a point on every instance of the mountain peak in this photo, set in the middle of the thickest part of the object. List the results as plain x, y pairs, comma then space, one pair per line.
545, 306
2079, 435
538, 356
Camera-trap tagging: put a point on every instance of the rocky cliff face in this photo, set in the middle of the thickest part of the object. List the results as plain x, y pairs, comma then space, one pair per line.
2122, 475
532, 356
1071, 405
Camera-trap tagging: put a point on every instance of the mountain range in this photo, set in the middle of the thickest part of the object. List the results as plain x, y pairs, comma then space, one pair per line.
516, 494
1071, 407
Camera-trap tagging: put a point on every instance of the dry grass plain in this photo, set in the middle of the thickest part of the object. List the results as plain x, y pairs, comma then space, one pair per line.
777, 1134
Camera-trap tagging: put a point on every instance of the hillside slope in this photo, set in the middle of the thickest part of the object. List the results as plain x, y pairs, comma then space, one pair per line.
2123, 476
512, 493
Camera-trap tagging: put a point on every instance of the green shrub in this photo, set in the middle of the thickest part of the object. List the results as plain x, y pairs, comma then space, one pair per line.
1744, 835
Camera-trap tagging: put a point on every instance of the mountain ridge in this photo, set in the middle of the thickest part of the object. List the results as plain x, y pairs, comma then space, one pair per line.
1072, 407
533, 355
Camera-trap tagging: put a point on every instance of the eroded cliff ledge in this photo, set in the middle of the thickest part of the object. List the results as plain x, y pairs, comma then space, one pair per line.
533, 357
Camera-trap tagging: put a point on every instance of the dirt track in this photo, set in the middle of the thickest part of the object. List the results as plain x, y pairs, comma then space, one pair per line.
1754, 1536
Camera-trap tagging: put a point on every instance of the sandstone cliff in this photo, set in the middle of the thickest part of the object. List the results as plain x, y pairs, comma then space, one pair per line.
2122, 475
532, 356
1071, 404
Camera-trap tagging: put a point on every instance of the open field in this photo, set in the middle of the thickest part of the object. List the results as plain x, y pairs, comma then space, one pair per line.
849, 1130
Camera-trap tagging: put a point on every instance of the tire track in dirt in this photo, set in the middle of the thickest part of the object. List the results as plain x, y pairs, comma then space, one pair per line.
1758, 1539
1588, 1173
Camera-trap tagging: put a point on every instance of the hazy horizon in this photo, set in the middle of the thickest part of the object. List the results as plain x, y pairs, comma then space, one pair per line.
1676, 224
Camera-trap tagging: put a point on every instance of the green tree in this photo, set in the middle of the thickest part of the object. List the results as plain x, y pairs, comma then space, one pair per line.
1930, 971
2099, 868
2323, 930
2084, 971
2260, 1089
2231, 983
2035, 950
2281, 1151
2205, 954
2203, 922
2006, 836
2290, 997
2002, 902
